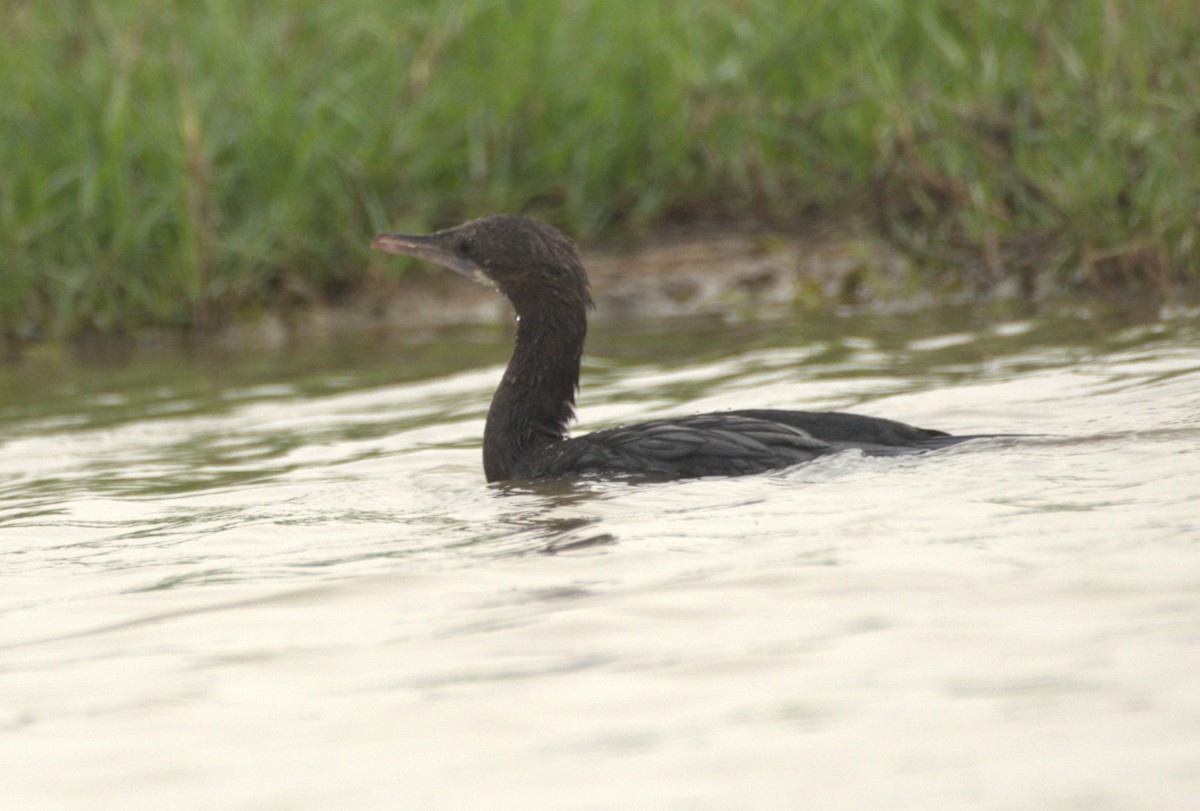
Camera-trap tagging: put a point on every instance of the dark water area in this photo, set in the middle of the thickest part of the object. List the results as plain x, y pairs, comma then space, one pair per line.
277, 579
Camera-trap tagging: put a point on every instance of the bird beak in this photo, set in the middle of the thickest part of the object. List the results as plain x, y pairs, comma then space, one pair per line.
425, 247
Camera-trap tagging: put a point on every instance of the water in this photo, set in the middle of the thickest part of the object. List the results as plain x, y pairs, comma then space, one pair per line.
280, 582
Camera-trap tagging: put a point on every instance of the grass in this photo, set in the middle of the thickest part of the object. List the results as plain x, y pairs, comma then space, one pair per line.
176, 162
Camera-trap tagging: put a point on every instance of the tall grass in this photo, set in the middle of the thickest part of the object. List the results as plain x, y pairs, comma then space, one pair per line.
173, 161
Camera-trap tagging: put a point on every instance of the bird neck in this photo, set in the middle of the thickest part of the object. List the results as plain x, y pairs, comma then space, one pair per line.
536, 397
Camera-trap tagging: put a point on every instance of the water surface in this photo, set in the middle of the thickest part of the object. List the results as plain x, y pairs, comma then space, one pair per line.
280, 581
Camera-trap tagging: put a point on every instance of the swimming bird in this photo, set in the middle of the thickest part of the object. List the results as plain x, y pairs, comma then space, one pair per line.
538, 269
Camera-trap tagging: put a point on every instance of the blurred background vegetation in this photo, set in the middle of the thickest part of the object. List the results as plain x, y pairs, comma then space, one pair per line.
178, 162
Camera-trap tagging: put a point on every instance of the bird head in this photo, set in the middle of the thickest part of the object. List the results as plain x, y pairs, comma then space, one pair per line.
528, 261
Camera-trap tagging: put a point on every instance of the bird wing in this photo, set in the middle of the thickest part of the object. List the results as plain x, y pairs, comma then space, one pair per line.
699, 445
852, 429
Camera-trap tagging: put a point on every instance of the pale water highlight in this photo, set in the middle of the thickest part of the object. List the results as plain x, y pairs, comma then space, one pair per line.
280, 581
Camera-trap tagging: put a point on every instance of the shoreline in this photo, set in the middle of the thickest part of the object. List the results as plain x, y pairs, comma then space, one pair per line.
746, 272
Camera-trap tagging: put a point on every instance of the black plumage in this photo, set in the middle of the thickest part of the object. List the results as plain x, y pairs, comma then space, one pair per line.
538, 269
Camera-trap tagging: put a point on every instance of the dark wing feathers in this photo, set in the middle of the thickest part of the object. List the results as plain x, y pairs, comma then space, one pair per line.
838, 426
700, 445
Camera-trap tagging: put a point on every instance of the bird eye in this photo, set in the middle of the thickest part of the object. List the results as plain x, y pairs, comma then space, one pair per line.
463, 247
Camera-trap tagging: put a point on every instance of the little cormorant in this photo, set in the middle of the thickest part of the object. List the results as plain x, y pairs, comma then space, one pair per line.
538, 269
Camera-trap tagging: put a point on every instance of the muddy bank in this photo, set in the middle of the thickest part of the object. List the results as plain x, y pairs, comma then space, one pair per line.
748, 273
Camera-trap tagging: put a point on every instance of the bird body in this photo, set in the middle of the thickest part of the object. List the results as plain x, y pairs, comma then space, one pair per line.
525, 437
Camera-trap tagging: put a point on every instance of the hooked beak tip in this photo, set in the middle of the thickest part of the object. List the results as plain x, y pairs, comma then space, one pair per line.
389, 243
